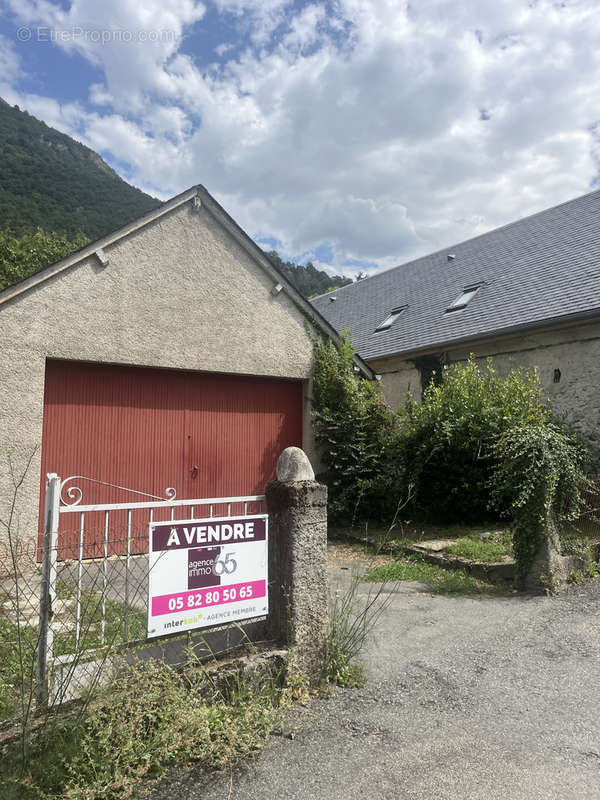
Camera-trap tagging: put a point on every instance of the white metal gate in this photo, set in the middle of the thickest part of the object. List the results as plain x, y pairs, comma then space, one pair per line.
92, 604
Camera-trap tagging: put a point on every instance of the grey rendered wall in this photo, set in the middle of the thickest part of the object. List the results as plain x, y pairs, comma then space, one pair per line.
574, 350
398, 378
179, 293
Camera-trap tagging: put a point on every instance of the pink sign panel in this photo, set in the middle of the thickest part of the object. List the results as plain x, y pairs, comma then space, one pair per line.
204, 598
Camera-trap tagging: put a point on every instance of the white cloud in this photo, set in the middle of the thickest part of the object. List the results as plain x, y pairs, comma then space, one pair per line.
10, 67
381, 128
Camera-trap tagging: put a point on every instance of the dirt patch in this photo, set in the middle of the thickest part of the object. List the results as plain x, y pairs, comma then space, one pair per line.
351, 557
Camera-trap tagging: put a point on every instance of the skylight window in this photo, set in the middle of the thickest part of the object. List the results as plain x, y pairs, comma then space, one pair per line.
390, 319
463, 299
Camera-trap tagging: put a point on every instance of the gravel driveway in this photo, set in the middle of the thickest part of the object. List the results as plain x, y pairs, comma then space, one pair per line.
467, 698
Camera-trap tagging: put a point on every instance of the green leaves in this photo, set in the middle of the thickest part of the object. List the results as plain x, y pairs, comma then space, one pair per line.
21, 257
539, 480
478, 444
447, 440
356, 431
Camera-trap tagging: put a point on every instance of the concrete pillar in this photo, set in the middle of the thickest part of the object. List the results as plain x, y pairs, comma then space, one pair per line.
298, 597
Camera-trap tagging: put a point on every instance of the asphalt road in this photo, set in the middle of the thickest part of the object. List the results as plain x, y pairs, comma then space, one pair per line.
467, 698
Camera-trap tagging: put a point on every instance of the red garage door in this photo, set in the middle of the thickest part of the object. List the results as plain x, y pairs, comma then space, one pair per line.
205, 435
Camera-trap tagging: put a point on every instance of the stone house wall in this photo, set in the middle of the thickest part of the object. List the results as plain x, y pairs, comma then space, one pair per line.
573, 351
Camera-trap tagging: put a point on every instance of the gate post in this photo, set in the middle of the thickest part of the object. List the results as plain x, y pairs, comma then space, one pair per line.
297, 507
47, 586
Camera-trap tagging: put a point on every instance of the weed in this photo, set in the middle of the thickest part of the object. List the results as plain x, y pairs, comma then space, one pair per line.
150, 718
12, 676
442, 581
90, 624
351, 621
583, 575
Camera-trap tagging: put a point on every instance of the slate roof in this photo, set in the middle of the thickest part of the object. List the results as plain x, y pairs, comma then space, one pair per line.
539, 270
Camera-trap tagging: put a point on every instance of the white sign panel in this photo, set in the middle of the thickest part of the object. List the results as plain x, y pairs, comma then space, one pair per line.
207, 572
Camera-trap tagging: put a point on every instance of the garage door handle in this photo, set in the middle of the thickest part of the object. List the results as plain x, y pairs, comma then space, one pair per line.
194, 471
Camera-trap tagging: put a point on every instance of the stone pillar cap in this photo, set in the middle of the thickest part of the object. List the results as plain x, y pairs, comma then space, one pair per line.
293, 465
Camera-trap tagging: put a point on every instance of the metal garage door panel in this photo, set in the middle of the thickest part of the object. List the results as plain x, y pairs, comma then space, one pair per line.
146, 429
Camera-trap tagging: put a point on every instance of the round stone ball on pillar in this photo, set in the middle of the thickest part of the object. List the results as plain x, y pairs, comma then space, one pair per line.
293, 465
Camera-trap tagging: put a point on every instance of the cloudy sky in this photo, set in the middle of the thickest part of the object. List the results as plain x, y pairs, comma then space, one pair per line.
358, 133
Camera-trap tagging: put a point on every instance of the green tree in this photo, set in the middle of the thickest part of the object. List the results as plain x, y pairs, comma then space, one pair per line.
21, 256
49, 180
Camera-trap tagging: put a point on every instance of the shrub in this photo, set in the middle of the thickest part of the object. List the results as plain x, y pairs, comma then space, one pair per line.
538, 479
447, 440
356, 431
478, 444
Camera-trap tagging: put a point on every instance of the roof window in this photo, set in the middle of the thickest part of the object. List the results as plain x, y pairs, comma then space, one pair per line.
464, 298
390, 319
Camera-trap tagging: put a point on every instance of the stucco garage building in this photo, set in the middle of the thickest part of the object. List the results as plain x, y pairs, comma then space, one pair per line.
168, 354
526, 294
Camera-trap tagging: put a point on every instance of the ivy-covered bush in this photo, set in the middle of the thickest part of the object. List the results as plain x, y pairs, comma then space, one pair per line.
538, 480
357, 434
447, 441
477, 445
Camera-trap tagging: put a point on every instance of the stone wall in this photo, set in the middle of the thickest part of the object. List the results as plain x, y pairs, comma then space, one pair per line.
397, 379
572, 350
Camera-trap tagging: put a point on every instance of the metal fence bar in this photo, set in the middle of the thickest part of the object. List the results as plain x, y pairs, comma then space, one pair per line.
127, 562
102, 564
45, 641
197, 501
79, 574
104, 578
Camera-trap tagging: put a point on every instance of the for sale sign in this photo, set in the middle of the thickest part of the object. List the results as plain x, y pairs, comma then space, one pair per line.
206, 572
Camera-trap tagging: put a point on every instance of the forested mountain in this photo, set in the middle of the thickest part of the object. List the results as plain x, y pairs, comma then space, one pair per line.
309, 280
50, 181
56, 194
